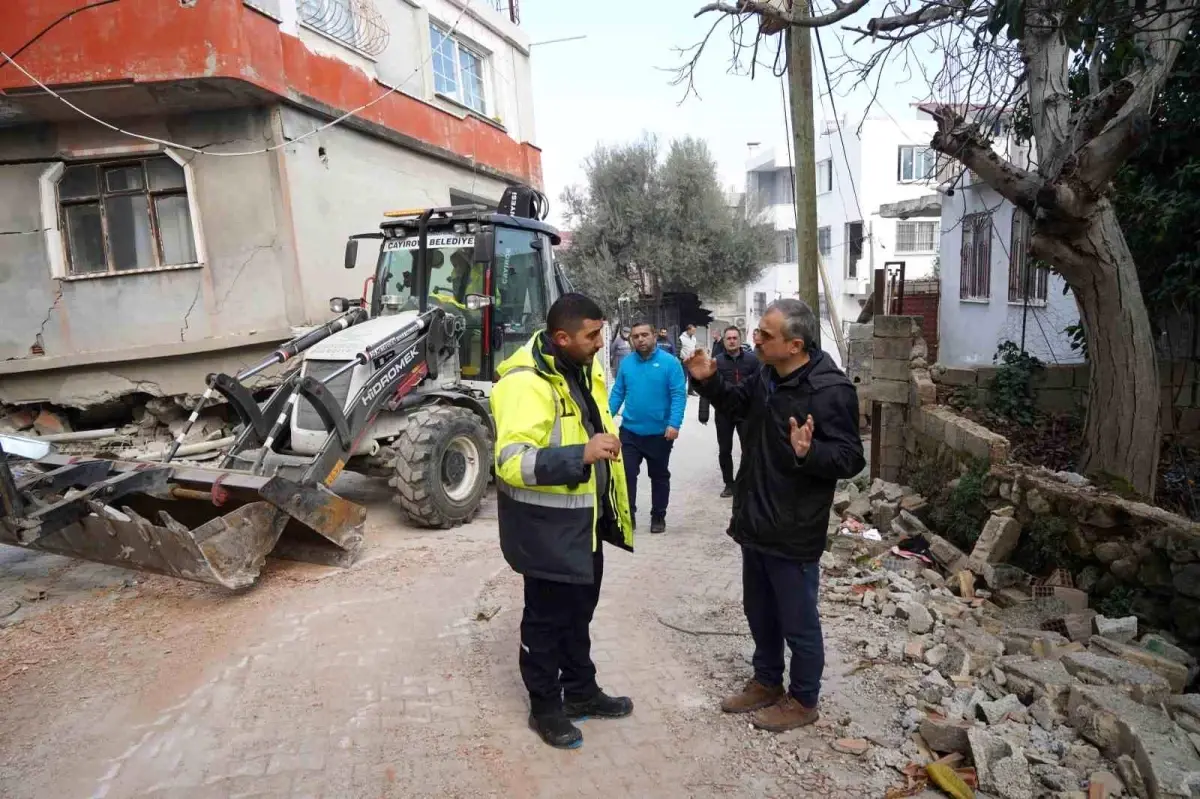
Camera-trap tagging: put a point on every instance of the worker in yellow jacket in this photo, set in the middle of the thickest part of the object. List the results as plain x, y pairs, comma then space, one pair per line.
562, 492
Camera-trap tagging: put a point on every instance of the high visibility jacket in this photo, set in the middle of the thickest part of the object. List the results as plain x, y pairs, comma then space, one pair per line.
548, 505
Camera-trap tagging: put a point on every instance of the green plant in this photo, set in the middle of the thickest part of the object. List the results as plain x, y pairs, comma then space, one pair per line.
959, 512
1118, 603
1010, 392
1043, 547
1076, 336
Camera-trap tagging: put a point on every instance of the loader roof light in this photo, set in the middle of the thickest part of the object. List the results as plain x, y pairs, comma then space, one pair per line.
405, 212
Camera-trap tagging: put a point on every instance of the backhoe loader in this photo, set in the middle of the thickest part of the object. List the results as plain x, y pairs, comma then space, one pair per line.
396, 384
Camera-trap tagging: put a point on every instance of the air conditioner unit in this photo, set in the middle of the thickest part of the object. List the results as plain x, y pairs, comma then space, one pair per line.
857, 286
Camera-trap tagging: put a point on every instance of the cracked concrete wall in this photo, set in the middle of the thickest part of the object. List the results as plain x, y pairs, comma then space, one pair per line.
239, 289
340, 182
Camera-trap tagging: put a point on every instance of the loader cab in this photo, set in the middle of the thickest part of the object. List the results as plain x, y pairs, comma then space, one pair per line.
495, 272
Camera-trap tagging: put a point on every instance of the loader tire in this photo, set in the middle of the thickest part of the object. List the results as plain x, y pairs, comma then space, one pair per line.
442, 466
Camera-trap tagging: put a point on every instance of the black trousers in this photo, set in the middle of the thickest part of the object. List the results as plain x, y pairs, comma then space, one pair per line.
556, 648
780, 599
725, 428
656, 452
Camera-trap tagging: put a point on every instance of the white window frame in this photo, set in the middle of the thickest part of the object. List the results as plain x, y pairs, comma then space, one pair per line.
917, 226
56, 247
485, 68
825, 181
908, 153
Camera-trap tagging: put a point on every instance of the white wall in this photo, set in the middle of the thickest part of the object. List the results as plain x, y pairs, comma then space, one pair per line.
406, 63
971, 330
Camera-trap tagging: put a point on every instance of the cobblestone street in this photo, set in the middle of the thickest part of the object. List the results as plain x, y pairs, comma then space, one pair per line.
396, 678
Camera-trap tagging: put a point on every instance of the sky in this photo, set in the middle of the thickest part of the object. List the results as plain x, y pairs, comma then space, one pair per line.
616, 84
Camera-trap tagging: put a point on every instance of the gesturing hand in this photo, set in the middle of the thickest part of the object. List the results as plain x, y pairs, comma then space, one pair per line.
700, 365
801, 436
671, 434
601, 447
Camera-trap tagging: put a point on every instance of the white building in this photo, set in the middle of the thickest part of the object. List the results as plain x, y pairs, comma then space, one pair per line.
991, 292
858, 171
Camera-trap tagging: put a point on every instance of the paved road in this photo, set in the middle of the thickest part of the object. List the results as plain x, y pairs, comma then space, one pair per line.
396, 678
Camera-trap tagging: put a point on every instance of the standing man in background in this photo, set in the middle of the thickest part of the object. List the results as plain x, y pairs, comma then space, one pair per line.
687, 345
620, 348
801, 438
664, 341
561, 494
651, 387
736, 365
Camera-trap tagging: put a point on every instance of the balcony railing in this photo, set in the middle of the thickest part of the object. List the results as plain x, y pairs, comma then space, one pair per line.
509, 8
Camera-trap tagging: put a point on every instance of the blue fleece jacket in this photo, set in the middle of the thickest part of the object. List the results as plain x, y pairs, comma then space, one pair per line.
653, 392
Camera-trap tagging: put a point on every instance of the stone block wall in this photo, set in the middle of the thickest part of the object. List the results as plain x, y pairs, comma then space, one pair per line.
896, 345
860, 356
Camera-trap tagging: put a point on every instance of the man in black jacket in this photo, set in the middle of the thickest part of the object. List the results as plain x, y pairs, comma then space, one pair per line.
801, 437
736, 365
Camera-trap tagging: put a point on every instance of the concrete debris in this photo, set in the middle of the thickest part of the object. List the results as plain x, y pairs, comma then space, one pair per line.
907, 525
1109, 784
1044, 714
841, 501
883, 513
995, 712
950, 557
881, 489
1056, 778
936, 654
997, 540
1175, 673
1131, 777
919, 619
1034, 679
48, 422
1075, 626
1023, 641
1001, 768
1141, 683
851, 746
1185, 711
859, 508
943, 735
1122, 630
1162, 647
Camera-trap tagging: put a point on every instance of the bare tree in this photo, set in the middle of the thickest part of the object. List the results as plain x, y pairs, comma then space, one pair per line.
997, 53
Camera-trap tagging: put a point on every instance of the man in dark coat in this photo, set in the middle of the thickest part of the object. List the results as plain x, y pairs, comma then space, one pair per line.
736, 365
801, 437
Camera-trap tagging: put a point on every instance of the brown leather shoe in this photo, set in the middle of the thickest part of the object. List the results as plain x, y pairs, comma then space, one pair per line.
786, 714
754, 696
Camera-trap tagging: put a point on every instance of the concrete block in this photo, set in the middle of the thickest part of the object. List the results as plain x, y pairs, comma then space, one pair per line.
949, 556
896, 349
888, 369
897, 327
1023, 641
957, 377
922, 391
1160, 646
1000, 766
1141, 683
1053, 376
996, 711
894, 391
943, 735
1033, 679
1175, 673
1185, 710
998, 539
1122, 630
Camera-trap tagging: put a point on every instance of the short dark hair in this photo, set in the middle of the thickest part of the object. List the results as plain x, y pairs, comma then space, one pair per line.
734, 328
642, 323
569, 312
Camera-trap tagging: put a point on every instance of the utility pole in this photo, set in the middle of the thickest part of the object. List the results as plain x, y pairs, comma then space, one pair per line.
800, 93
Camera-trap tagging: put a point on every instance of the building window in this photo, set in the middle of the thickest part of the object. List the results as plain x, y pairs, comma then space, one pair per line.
854, 247
457, 70
760, 303
975, 277
1025, 280
788, 246
916, 237
916, 164
125, 215
824, 235
355, 23
825, 176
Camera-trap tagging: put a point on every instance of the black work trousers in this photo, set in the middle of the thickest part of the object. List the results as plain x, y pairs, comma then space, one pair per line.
556, 648
725, 428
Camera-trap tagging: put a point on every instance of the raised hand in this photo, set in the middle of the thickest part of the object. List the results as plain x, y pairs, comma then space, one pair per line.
700, 365
801, 435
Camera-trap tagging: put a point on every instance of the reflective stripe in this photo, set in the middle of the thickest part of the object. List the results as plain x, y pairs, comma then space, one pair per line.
547, 500
556, 429
529, 467
512, 451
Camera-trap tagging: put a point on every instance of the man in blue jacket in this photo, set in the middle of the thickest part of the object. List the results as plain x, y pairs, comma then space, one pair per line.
651, 386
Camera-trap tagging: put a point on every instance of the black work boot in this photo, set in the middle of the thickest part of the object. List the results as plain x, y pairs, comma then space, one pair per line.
728, 492
658, 525
600, 706
557, 730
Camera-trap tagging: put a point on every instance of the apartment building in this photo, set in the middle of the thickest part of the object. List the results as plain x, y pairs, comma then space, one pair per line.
140, 264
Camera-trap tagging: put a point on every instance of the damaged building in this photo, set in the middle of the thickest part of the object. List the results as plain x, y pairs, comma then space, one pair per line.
135, 265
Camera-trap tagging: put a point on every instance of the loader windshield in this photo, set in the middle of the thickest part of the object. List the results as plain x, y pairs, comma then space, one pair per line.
452, 276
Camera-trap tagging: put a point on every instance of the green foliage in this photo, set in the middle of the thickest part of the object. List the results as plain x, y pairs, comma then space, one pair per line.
1043, 547
644, 224
959, 512
1077, 338
1010, 392
1118, 603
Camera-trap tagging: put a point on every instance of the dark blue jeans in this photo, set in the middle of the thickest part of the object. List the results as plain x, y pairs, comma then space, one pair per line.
656, 452
780, 599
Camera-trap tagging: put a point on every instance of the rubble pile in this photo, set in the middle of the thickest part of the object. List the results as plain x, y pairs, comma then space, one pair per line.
144, 429
1014, 683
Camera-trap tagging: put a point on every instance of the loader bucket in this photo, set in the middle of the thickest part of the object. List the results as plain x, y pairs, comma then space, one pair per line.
208, 525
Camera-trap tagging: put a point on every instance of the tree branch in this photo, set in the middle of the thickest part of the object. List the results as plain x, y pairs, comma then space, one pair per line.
741, 7
962, 140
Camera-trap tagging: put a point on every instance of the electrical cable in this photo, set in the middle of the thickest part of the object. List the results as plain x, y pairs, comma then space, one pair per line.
66, 16
187, 148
